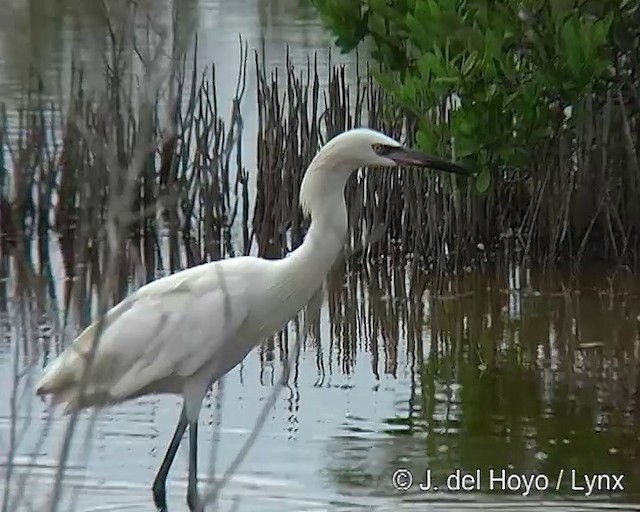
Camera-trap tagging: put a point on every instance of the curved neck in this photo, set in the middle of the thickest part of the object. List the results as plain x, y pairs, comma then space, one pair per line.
322, 197
324, 239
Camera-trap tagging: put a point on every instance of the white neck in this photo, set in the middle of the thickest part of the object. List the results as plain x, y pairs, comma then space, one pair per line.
322, 196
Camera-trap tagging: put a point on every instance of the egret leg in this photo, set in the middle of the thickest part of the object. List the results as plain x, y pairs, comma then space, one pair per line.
193, 498
160, 481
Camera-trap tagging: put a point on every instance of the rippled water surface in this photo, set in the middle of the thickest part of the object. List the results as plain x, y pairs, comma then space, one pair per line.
491, 377
513, 371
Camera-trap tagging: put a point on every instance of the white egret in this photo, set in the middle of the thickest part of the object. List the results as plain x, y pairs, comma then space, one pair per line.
182, 332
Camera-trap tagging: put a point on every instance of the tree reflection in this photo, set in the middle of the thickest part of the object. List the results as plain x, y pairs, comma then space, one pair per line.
532, 377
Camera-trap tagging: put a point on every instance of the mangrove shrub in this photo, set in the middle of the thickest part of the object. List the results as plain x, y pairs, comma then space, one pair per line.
504, 75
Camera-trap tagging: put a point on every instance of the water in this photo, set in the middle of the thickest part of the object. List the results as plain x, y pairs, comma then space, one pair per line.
494, 377
513, 371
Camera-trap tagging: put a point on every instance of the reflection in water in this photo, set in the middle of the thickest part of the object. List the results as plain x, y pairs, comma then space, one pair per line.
472, 374
550, 386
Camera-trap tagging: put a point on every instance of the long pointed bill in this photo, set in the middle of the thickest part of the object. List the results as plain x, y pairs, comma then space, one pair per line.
413, 157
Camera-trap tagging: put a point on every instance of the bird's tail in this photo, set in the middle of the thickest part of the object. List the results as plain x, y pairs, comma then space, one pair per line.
65, 371
62, 378
61, 374
61, 381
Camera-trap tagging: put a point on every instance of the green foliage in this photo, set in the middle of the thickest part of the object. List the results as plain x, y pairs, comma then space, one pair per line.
513, 67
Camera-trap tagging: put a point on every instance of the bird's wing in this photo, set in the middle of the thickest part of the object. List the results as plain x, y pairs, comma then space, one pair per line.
167, 330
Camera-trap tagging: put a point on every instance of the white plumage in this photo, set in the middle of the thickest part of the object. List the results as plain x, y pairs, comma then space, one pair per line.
181, 333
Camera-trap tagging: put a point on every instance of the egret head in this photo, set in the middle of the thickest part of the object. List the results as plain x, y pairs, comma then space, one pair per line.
322, 188
363, 147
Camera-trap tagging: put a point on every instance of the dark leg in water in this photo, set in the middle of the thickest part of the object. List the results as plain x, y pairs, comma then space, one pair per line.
193, 498
159, 483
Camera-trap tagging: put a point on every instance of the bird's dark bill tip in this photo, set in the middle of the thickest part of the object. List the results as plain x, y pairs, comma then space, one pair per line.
413, 157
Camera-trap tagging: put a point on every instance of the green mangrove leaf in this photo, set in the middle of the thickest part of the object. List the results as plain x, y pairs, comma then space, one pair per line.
469, 63
572, 47
377, 25
418, 32
428, 65
385, 80
466, 146
602, 29
561, 9
483, 180
446, 80
434, 8
426, 140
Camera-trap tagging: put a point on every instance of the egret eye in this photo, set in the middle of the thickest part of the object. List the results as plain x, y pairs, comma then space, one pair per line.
381, 149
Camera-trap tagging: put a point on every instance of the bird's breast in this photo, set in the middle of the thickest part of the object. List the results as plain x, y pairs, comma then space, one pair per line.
283, 302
